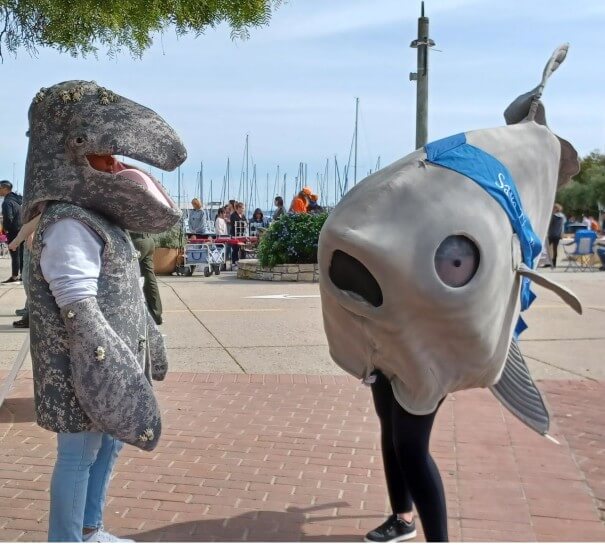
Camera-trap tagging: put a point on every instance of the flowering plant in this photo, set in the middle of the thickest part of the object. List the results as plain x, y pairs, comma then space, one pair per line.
292, 239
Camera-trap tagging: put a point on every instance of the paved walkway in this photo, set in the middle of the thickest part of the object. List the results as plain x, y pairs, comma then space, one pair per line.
296, 458
276, 444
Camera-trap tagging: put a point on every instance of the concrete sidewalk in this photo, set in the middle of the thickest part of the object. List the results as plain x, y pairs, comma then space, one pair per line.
296, 458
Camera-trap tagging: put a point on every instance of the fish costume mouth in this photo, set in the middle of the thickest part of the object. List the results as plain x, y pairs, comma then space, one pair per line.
425, 266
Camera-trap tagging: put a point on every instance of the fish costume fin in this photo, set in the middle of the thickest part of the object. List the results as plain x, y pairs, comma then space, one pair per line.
517, 391
528, 106
564, 293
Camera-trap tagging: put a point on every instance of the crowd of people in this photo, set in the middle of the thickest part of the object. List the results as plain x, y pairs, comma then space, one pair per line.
230, 219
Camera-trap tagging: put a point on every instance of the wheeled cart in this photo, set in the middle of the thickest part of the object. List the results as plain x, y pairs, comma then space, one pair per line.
210, 255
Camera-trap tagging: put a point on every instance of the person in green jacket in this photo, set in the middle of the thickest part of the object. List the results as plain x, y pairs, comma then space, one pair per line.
145, 245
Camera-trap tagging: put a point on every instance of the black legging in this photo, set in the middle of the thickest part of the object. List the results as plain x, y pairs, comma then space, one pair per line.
554, 243
411, 473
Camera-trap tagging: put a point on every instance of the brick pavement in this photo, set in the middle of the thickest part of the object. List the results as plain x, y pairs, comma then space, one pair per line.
296, 458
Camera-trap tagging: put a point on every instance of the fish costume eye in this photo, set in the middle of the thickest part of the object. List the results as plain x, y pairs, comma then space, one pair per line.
457, 260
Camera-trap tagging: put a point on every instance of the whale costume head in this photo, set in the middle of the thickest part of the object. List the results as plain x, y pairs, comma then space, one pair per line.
422, 263
74, 120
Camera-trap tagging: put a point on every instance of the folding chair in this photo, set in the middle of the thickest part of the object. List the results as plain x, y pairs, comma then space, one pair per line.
580, 252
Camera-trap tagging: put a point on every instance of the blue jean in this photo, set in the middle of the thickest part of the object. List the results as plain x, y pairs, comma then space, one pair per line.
78, 487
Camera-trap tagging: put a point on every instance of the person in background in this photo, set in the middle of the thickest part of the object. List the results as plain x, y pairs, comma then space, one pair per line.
601, 254
279, 208
228, 211
11, 221
594, 224
314, 206
555, 231
257, 221
14, 245
586, 221
220, 224
197, 219
300, 202
3, 243
237, 219
145, 246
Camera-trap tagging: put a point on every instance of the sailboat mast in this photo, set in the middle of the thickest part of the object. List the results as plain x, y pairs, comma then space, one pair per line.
178, 176
228, 182
247, 175
202, 182
356, 125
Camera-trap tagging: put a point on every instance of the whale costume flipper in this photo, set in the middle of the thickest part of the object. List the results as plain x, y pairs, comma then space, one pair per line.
517, 391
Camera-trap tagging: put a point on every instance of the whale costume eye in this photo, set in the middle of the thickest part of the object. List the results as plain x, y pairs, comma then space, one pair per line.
457, 260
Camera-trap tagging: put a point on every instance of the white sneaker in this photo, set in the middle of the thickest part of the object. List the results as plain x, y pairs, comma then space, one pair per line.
103, 536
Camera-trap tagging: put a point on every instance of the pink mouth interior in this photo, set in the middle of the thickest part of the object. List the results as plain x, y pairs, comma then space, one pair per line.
140, 177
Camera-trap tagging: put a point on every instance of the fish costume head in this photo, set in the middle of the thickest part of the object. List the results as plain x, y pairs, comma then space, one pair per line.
425, 265
72, 121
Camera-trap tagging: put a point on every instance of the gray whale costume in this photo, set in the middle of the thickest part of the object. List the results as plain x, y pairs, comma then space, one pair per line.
93, 359
426, 286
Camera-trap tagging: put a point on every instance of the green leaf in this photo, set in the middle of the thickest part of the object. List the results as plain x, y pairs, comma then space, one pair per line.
292, 239
80, 27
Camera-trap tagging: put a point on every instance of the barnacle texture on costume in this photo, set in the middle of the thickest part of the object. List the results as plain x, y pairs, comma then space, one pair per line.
93, 361
72, 120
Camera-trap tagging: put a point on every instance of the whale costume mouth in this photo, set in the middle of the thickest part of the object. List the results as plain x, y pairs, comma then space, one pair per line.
109, 164
153, 187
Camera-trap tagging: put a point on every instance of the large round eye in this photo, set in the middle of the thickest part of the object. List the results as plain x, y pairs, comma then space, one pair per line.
79, 141
457, 260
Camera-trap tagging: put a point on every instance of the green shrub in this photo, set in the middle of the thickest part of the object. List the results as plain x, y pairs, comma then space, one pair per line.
175, 237
292, 239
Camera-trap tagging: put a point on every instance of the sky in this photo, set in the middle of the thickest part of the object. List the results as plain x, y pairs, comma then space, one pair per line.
292, 86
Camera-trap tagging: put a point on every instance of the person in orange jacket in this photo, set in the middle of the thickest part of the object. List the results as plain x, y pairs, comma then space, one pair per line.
300, 203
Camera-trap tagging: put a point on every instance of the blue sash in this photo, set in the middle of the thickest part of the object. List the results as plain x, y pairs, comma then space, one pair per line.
456, 154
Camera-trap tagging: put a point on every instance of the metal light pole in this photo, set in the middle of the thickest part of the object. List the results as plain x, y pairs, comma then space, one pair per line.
422, 44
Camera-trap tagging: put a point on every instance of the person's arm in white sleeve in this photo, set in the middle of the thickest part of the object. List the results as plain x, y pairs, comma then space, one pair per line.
71, 261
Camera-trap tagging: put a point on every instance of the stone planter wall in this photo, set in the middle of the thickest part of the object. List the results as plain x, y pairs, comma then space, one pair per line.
251, 269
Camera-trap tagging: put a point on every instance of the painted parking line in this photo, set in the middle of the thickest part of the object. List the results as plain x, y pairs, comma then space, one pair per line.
219, 310
284, 296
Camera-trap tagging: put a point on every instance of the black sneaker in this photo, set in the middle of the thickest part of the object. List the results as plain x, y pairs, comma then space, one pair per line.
392, 530
22, 323
11, 280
